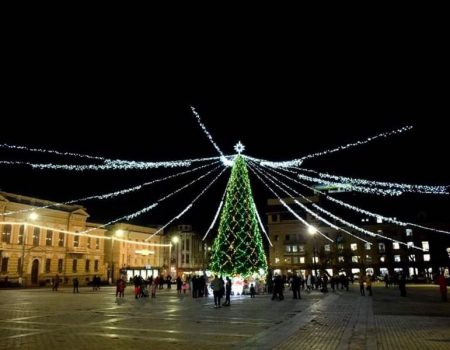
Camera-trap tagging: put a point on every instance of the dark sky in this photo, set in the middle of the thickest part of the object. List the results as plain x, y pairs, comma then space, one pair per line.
280, 106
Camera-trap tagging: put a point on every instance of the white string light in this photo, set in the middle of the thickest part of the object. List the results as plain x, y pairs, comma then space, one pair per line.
153, 205
215, 216
110, 194
303, 221
261, 225
15, 223
189, 206
391, 185
299, 161
378, 191
40, 150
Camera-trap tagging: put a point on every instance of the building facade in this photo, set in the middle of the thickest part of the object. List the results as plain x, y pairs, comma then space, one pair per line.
297, 250
39, 243
135, 250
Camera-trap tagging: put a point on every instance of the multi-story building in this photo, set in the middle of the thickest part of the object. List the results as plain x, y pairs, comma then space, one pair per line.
39, 240
188, 254
298, 248
135, 250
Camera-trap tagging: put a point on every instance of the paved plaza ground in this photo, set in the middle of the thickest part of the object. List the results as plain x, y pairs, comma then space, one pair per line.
42, 319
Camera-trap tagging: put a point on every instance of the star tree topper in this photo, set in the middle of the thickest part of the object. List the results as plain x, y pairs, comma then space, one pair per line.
239, 147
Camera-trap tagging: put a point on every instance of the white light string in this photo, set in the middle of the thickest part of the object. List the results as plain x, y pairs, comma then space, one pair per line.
334, 216
110, 194
261, 225
189, 206
304, 207
303, 221
391, 185
153, 205
50, 151
360, 210
215, 216
370, 190
299, 161
16, 223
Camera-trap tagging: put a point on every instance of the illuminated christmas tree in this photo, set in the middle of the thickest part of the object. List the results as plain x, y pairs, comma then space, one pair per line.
238, 247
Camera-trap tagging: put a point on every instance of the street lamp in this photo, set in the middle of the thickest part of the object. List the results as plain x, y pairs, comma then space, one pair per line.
175, 240
117, 233
312, 230
33, 216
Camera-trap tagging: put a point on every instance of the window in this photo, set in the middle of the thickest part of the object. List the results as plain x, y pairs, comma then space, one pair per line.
48, 264
36, 236
5, 264
340, 247
301, 249
395, 245
89, 242
96, 265
287, 248
286, 238
60, 265
367, 246
425, 246
381, 247
448, 251
76, 241
382, 258
61, 240
277, 260
6, 235
21, 234
327, 247
302, 260
412, 257
426, 257
368, 259
74, 265
354, 246
276, 238
410, 244
409, 232
97, 243
187, 258
274, 218
19, 265
379, 220
397, 258
294, 249
355, 258
49, 238
315, 259
88, 265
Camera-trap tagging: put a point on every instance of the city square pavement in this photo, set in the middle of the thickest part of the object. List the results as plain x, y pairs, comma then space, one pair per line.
42, 319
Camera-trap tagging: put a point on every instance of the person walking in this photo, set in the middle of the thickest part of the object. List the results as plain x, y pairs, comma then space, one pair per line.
442, 286
75, 284
227, 292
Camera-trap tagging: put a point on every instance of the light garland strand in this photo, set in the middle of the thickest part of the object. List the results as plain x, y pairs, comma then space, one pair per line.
370, 190
189, 206
391, 185
153, 205
50, 151
16, 223
303, 221
215, 216
299, 161
110, 194
304, 207
262, 226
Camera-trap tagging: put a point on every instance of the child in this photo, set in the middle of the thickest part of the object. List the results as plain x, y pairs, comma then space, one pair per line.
252, 291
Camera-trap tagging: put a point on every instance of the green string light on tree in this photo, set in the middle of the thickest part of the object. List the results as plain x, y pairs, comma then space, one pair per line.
238, 247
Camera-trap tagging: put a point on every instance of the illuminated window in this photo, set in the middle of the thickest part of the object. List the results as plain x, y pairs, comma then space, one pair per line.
341, 259
277, 260
425, 246
381, 247
382, 258
301, 249
396, 245
354, 246
355, 258
327, 247
410, 244
294, 249
340, 247
315, 259
287, 249
397, 258
302, 260
448, 252
368, 259
412, 257
379, 220
426, 257
408, 232
367, 246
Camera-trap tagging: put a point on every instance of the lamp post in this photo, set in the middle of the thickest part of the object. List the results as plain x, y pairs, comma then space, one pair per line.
312, 230
175, 240
117, 233
33, 216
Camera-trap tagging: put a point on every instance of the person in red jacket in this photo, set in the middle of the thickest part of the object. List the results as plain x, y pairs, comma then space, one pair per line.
442, 286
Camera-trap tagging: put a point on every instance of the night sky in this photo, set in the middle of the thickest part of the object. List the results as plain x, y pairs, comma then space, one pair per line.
278, 110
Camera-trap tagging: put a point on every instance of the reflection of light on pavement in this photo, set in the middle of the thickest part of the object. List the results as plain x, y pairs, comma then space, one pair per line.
237, 286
